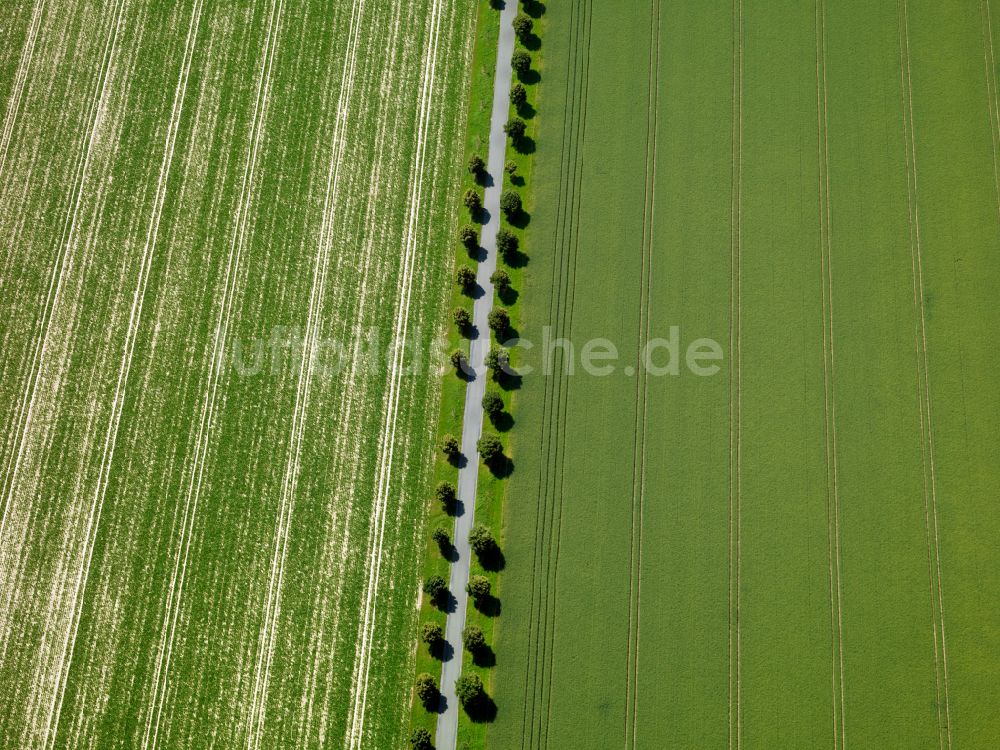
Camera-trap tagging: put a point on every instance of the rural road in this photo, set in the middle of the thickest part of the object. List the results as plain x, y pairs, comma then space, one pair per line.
447, 725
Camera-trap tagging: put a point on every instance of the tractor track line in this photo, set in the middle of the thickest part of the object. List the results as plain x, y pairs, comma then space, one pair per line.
363, 661
192, 496
923, 391
135, 318
20, 81
306, 367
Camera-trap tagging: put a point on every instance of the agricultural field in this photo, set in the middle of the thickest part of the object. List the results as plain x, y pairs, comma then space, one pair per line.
224, 234
791, 541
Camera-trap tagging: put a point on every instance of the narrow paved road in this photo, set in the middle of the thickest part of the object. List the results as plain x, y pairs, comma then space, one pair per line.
447, 726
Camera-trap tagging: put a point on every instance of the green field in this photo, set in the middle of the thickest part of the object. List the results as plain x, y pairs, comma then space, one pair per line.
800, 550
209, 539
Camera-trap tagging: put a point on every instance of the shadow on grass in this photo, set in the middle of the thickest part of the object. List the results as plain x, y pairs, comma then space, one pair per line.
533, 8
530, 77
488, 606
484, 657
492, 559
481, 710
532, 42
515, 259
525, 145
508, 296
502, 422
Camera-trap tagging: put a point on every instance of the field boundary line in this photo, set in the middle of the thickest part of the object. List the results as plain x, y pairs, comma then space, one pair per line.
20, 81
829, 386
59, 268
545, 447
267, 634
735, 391
135, 318
642, 382
363, 659
193, 494
923, 390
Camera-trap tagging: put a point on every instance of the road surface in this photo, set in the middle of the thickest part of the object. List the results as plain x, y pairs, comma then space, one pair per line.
472, 427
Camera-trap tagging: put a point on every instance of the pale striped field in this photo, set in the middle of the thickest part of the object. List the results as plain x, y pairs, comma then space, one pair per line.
208, 539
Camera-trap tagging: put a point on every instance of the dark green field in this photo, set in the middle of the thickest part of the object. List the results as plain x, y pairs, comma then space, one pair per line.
800, 550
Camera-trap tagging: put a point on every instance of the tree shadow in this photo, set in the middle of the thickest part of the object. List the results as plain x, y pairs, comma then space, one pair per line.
474, 292
459, 461
449, 553
477, 253
446, 602
515, 259
454, 508
526, 111
531, 42
484, 179
441, 706
508, 296
480, 216
525, 145
492, 558
517, 180
520, 220
530, 77
488, 606
533, 8
502, 422
481, 710
484, 657
442, 651
508, 381
501, 468
471, 332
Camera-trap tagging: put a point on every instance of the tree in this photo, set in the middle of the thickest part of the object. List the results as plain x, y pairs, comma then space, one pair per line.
481, 540
497, 360
469, 689
468, 237
441, 538
499, 321
427, 691
515, 128
435, 587
449, 446
465, 277
421, 740
432, 634
520, 61
445, 494
461, 317
510, 167
507, 242
473, 639
499, 278
492, 403
476, 165
458, 360
490, 448
510, 203
518, 95
523, 26
472, 200
478, 588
